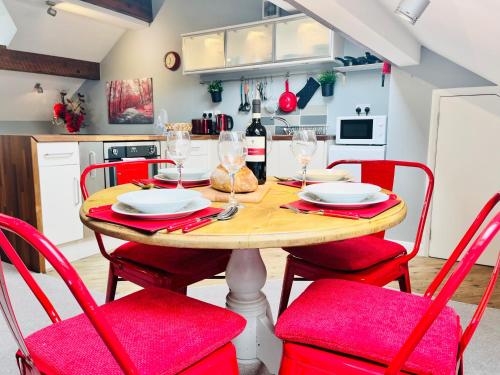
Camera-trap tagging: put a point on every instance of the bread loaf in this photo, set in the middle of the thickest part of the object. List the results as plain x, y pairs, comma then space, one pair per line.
245, 180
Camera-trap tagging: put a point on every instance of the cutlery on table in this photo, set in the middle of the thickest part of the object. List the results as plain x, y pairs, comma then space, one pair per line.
227, 214
181, 224
321, 212
144, 186
284, 179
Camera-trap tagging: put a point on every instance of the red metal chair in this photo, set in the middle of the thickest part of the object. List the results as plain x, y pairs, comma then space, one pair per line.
345, 327
152, 331
370, 259
147, 265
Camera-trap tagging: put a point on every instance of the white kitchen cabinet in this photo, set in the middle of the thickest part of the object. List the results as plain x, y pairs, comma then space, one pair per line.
59, 178
250, 45
203, 52
269, 44
302, 38
282, 163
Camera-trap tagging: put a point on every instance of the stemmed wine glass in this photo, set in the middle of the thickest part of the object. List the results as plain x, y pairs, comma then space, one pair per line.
304, 144
178, 148
232, 154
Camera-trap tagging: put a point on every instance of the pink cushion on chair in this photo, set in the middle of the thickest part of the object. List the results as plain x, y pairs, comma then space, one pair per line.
349, 255
163, 332
370, 322
174, 260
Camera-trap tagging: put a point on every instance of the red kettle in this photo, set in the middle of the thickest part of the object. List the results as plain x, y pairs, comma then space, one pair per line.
224, 122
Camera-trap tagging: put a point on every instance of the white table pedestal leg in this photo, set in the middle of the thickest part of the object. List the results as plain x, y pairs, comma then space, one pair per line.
246, 275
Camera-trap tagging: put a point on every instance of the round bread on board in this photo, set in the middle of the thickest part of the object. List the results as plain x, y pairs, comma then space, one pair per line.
245, 180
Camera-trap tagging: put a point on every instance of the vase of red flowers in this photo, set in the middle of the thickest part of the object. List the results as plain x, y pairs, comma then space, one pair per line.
69, 112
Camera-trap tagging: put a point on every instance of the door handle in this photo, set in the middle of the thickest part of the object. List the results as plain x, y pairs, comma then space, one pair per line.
76, 191
58, 155
92, 160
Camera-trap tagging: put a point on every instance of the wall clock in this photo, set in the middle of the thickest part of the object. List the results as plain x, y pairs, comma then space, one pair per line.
172, 61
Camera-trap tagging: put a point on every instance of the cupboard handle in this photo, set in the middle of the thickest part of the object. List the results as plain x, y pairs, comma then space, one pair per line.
92, 160
58, 155
76, 196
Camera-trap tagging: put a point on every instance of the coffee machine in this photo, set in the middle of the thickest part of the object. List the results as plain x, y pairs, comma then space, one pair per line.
205, 125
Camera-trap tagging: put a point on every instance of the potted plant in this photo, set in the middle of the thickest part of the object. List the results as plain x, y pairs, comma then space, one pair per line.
215, 89
327, 80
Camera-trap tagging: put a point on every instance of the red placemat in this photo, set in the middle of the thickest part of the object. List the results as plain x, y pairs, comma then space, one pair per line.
173, 184
104, 213
363, 213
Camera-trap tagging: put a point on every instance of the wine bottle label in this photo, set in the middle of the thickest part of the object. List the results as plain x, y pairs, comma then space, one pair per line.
256, 149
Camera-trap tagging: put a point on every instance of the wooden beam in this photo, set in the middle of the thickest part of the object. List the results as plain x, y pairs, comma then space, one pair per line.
44, 64
140, 9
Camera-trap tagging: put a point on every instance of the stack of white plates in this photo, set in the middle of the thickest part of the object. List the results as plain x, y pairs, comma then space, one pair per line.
160, 203
188, 175
343, 195
324, 175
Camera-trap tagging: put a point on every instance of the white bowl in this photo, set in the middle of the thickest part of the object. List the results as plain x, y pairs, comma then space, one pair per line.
342, 192
157, 201
187, 173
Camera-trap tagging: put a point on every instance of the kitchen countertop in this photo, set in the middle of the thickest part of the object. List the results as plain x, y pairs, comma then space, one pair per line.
131, 138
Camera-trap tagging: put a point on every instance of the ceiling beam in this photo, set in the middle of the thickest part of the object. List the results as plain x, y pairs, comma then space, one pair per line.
140, 9
368, 23
44, 64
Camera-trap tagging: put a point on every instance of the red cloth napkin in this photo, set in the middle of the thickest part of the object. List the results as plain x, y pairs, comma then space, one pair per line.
363, 213
173, 184
104, 213
295, 184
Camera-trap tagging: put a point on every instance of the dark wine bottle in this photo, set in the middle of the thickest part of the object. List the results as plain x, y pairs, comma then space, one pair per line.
256, 143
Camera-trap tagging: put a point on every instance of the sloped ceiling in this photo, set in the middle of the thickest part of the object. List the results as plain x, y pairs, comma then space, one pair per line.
66, 35
464, 31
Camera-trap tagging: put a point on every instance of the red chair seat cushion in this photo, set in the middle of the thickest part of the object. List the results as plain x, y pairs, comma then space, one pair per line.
349, 255
174, 260
163, 332
369, 322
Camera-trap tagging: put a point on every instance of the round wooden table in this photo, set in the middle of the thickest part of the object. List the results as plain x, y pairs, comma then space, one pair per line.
257, 226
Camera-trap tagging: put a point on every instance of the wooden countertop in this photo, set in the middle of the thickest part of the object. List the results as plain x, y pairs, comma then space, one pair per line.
133, 137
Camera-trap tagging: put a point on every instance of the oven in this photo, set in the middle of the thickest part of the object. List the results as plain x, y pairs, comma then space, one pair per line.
361, 130
129, 151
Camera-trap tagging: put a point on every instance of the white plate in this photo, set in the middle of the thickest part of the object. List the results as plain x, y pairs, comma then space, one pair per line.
163, 178
195, 206
188, 173
373, 199
156, 201
324, 175
299, 178
344, 192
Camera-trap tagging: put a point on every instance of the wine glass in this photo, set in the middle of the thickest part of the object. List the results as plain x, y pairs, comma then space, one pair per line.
232, 154
304, 144
178, 148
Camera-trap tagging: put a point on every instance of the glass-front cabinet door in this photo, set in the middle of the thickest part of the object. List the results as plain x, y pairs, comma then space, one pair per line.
203, 52
250, 45
302, 38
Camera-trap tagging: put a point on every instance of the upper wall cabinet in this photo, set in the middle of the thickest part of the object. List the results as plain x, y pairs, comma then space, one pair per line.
204, 52
250, 45
302, 38
276, 43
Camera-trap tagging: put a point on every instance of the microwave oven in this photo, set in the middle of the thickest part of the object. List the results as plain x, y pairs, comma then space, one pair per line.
361, 130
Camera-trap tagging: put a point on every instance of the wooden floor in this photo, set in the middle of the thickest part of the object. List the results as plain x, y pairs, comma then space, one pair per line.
94, 269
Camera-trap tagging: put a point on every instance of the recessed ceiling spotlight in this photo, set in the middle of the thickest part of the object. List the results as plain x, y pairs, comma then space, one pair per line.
38, 88
411, 10
51, 10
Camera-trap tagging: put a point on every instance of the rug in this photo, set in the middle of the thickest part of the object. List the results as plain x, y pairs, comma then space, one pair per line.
481, 357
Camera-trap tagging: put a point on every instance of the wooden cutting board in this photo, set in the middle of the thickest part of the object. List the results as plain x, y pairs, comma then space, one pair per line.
253, 197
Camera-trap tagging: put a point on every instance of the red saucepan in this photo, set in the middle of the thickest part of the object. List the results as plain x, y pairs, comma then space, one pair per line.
288, 100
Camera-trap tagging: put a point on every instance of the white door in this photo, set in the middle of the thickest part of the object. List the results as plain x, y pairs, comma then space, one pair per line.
467, 169
60, 194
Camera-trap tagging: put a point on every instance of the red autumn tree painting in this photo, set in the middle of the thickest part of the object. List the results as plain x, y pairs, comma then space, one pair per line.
130, 101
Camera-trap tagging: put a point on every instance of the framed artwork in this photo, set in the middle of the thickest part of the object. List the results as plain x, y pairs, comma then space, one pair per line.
130, 101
